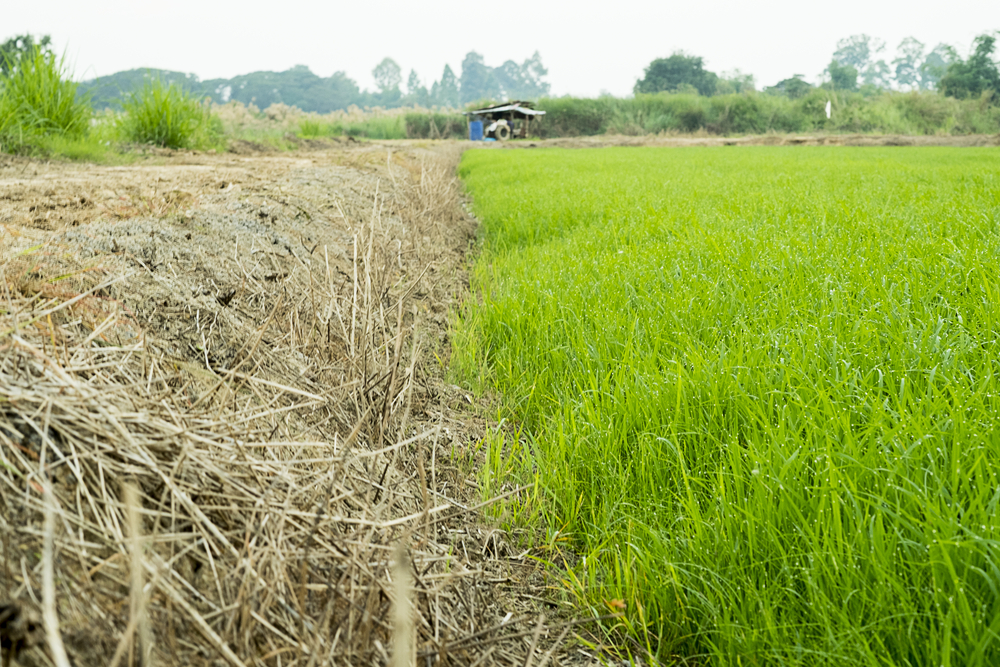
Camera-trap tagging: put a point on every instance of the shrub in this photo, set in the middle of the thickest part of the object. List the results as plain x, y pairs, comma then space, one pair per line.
311, 128
374, 127
435, 125
927, 112
168, 116
573, 117
740, 114
39, 99
689, 110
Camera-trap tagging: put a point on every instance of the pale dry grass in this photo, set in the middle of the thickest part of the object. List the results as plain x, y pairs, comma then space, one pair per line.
241, 120
283, 503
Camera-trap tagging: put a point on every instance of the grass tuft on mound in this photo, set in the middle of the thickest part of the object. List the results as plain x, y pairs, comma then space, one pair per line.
38, 100
166, 115
761, 388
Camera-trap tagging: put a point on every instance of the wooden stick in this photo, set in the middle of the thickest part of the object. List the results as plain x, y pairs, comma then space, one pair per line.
403, 646
49, 616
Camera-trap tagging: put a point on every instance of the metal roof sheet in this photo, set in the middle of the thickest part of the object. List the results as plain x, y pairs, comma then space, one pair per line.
506, 107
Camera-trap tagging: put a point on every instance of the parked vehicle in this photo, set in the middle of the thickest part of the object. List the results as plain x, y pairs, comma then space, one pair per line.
502, 122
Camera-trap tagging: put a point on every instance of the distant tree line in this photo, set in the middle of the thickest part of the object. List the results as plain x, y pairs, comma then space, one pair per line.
301, 88
856, 66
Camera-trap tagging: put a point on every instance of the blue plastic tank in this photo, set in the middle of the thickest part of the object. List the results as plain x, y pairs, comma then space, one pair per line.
476, 130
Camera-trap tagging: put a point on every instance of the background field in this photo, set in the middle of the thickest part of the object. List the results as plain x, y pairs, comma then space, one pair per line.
757, 388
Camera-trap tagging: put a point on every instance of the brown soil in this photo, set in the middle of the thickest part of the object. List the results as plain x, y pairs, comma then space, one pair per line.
257, 343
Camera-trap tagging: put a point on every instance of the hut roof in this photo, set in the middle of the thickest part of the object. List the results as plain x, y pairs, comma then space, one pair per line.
516, 107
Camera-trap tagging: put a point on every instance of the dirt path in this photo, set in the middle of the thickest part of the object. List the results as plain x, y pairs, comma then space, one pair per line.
258, 345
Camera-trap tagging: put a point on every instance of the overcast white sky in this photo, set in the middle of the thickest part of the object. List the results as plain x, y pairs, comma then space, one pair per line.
588, 47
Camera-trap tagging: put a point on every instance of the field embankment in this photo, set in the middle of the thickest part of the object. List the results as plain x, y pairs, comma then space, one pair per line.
705, 139
256, 345
757, 390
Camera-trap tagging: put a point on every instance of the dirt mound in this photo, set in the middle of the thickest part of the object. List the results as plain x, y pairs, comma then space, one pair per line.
256, 345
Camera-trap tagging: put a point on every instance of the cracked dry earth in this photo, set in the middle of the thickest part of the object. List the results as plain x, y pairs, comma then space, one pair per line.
258, 344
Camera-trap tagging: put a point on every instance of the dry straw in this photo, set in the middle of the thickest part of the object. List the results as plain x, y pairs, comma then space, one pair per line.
270, 512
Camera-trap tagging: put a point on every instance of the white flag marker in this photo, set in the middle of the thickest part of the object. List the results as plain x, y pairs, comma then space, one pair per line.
828, 109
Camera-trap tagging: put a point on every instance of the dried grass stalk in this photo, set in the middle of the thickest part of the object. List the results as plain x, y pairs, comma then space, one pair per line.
52, 636
244, 501
403, 648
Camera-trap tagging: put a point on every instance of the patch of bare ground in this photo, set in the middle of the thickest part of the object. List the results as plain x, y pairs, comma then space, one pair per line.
704, 139
254, 345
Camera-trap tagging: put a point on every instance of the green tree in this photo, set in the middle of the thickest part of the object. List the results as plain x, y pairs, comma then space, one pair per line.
445, 92
793, 88
534, 70
337, 91
906, 64
388, 75
413, 85
859, 51
976, 75
523, 81
935, 65
298, 87
510, 78
110, 91
18, 49
669, 74
878, 75
735, 81
478, 81
416, 92
842, 76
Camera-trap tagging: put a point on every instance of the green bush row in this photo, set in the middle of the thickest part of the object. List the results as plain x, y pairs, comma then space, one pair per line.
436, 126
376, 127
917, 113
414, 125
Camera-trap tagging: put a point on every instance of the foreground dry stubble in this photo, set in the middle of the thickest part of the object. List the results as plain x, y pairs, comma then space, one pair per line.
254, 345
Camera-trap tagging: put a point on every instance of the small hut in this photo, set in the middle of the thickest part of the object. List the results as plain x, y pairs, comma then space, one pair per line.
501, 122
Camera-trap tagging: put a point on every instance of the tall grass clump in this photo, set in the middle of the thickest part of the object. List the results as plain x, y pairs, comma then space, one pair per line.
377, 127
435, 125
761, 389
167, 115
311, 128
374, 127
38, 100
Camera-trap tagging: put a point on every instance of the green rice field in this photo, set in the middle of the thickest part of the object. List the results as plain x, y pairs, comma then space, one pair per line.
758, 390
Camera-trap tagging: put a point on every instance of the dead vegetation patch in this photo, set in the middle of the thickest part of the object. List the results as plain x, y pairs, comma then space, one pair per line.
223, 381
